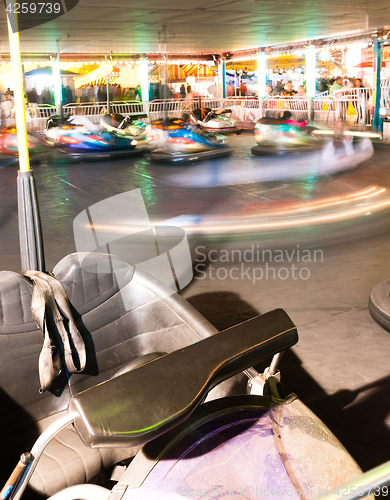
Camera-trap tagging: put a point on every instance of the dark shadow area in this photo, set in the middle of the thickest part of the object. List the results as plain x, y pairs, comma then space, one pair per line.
358, 419
223, 309
13, 444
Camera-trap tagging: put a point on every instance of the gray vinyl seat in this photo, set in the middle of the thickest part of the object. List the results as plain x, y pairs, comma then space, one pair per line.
118, 325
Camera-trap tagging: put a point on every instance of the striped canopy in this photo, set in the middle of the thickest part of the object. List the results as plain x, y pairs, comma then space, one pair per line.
177, 73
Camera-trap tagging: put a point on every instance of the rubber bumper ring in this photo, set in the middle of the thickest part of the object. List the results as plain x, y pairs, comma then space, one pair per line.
379, 304
163, 157
266, 151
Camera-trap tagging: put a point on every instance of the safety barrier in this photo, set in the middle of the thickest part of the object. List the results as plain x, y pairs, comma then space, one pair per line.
175, 107
354, 108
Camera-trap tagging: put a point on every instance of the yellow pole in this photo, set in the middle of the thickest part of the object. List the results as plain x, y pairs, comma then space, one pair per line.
17, 76
30, 232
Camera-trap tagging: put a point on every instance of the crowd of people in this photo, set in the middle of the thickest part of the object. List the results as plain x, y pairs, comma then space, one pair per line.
275, 88
336, 87
97, 93
294, 89
86, 93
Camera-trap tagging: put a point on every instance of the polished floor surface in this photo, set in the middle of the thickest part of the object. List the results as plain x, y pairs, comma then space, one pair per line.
320, 268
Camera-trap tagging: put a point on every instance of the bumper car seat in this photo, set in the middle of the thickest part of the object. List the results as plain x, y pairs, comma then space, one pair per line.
117, 339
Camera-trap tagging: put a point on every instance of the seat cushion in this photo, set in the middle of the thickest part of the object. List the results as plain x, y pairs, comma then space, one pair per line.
118, 324
66, 461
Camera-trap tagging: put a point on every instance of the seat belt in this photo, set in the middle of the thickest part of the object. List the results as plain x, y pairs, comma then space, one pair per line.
50, 307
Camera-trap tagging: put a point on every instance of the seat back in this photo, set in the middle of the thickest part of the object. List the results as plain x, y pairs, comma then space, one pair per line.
201, 113
153, 320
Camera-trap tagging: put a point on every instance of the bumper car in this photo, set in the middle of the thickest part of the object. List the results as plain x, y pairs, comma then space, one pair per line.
218, 120
130, 127
261, 444
280, 136
125, 316
176, 141
77, 136
9, 144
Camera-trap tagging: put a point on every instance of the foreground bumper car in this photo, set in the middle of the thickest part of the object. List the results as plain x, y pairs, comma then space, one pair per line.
9, 144
176, 141
77, 136
281, 136
262, 444
131, 127
125, 317
217, 120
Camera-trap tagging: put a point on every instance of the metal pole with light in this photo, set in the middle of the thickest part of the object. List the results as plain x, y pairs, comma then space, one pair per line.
222, 78
199, 96
311, 63
261, 74
55, 66
107, 85
143, 77
311, 60
376, 94
30, 233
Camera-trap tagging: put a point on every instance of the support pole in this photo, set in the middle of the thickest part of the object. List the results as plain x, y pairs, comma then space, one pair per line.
311, 61
199, 97
261, 74
376, 94
30, 233
107, 89
310, 110
143, 77
55, 66
108, 95
222, 78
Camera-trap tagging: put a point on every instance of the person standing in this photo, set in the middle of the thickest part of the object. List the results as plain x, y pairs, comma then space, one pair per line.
95, 92
335, 89
301, 94
90, 93
243, 89
289, 89
45, 96
182, 91
84, 95
64, 96
69, 94
102, 94
190, 95
33, 96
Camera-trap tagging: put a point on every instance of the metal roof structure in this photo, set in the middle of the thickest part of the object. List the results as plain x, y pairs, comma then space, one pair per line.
195, 28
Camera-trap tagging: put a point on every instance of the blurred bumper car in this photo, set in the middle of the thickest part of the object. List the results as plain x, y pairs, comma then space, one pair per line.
78, 136
176, 141
280, 136
9, 143
213, 120
131, 127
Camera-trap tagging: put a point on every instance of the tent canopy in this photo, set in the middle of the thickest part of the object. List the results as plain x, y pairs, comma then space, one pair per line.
47, 71
177, 73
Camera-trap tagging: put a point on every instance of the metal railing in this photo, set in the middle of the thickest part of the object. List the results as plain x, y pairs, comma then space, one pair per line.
354, 108
385, 93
